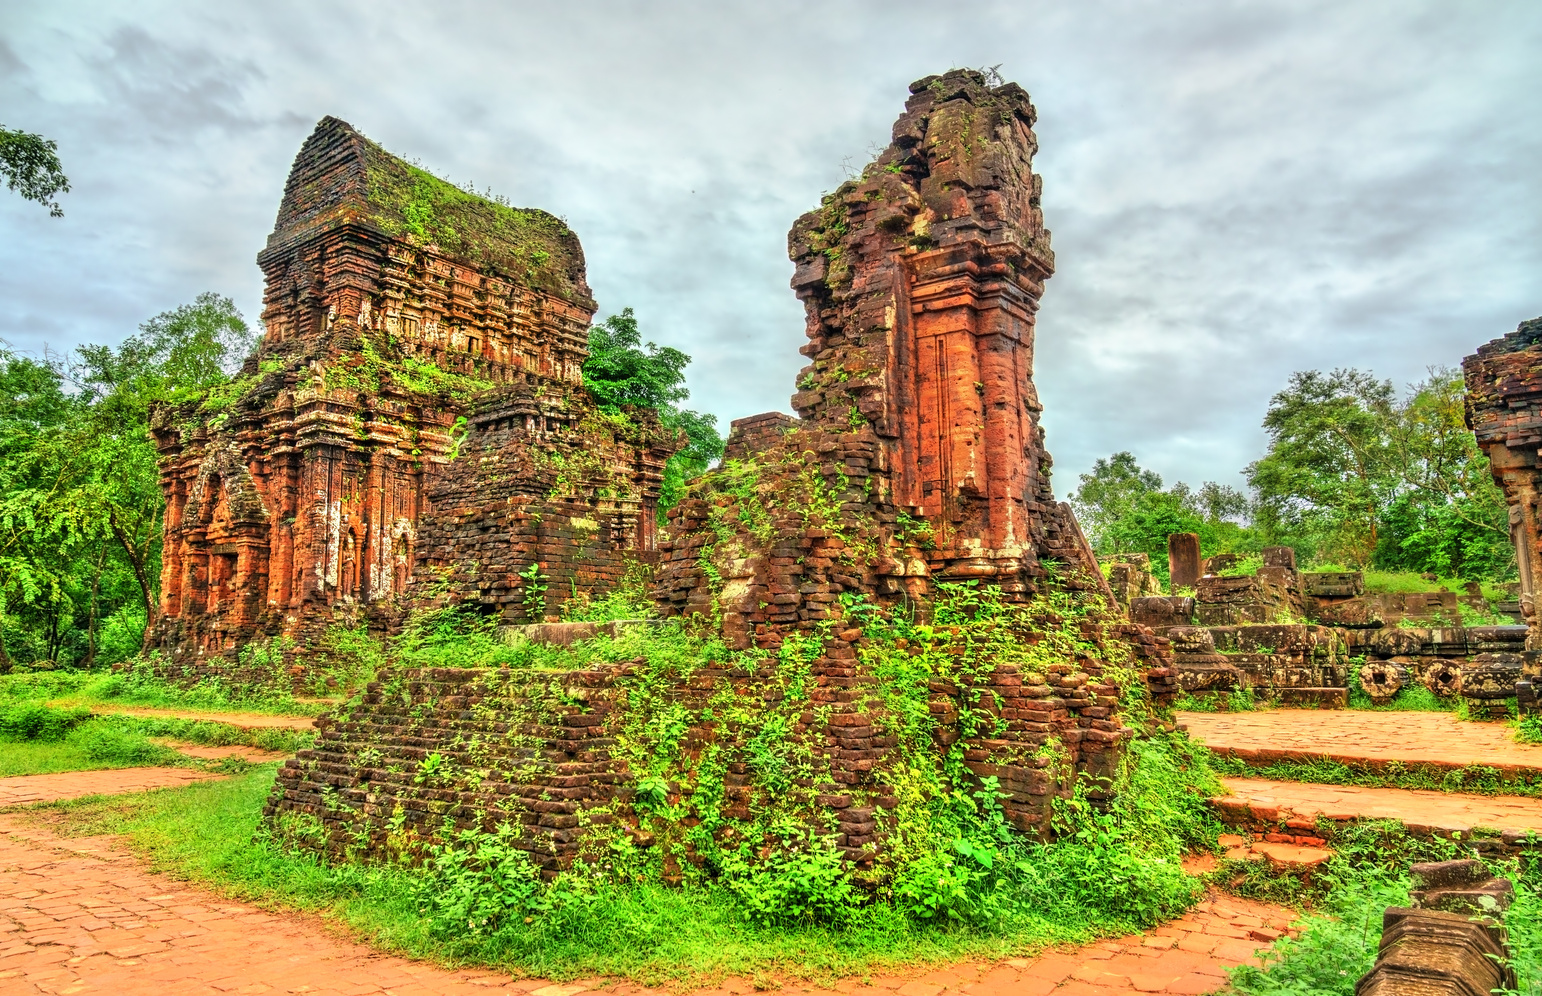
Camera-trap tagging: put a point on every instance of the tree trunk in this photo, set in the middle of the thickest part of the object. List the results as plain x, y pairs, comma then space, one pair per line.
138, 560
5, 655
96, 588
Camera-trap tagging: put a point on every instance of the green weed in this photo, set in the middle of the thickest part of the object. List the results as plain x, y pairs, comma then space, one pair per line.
1476, 779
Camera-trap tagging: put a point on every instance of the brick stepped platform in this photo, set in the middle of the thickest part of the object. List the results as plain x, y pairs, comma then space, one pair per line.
1373, 739
1261, 804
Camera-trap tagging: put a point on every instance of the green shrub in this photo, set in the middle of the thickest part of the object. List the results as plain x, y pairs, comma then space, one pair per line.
801, 881
35, 721
479, 884
111, 743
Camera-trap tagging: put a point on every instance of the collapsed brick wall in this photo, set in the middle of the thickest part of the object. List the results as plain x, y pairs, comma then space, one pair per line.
395, 307
542, 751
548, 502
1300, 638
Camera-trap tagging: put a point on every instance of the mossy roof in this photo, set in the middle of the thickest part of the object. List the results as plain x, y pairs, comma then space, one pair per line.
342, 177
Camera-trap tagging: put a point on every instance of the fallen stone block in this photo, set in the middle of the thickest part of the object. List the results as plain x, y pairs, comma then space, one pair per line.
1314, 698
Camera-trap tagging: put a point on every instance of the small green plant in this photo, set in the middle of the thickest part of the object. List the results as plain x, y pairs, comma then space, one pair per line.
533, 592
479, 884
801, 880
1246, 567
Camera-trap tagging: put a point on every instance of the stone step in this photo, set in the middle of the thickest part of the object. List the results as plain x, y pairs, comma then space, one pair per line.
1297, 810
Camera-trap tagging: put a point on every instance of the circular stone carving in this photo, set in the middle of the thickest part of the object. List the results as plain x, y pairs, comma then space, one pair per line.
1444, 678
1382, 680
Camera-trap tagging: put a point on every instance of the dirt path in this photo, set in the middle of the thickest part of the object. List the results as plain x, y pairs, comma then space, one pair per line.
245, 720
18, 790
1433, 738
1420, 810
80, 916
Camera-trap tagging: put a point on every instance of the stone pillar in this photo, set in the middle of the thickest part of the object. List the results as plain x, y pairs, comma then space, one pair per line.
1183, 560
1450, 941
1280, 556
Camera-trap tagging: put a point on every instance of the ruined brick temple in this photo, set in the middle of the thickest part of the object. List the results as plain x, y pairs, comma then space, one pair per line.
1504, 410
917, 460
413, 419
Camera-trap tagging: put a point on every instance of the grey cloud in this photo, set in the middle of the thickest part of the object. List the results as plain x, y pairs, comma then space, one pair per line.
171, 89
1237, 189
11, 65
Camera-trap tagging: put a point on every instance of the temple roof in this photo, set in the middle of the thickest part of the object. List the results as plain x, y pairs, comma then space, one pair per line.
339, 176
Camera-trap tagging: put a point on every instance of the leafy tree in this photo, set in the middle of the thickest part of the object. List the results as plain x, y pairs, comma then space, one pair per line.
30, 165
176, 355
1356, 474
1109, 493
1329, 470
1127, 511
622, 372
36, 520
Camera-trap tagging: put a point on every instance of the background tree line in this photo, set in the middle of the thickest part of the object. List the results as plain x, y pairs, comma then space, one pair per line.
81, 509
1354, 474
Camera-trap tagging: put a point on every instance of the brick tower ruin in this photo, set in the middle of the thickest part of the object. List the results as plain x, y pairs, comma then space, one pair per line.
1504, 409
919, 424
414, 413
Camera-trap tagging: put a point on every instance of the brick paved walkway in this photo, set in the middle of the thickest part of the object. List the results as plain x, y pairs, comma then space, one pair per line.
1421, 811
1432, 738
77, 916
21, 789
245, 720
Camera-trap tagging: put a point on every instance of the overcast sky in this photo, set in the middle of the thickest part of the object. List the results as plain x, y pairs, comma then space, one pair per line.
1236, 190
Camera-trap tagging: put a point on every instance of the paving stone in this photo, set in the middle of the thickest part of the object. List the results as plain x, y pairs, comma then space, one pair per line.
1437, 739
1266, 800
21, 789
205, 944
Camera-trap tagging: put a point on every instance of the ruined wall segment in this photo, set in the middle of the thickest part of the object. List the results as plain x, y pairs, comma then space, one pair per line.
1504, 410
408, 324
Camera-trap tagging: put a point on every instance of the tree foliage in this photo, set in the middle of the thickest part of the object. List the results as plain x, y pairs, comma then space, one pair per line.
622, 372
81, 509
31, 167
1357, 474
1125, 510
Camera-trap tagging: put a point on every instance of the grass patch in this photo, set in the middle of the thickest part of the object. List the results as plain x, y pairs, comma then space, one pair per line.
36, 739
1114, 872
141, 688
1474, 779
1237, 701
1410, 698
1410, 583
